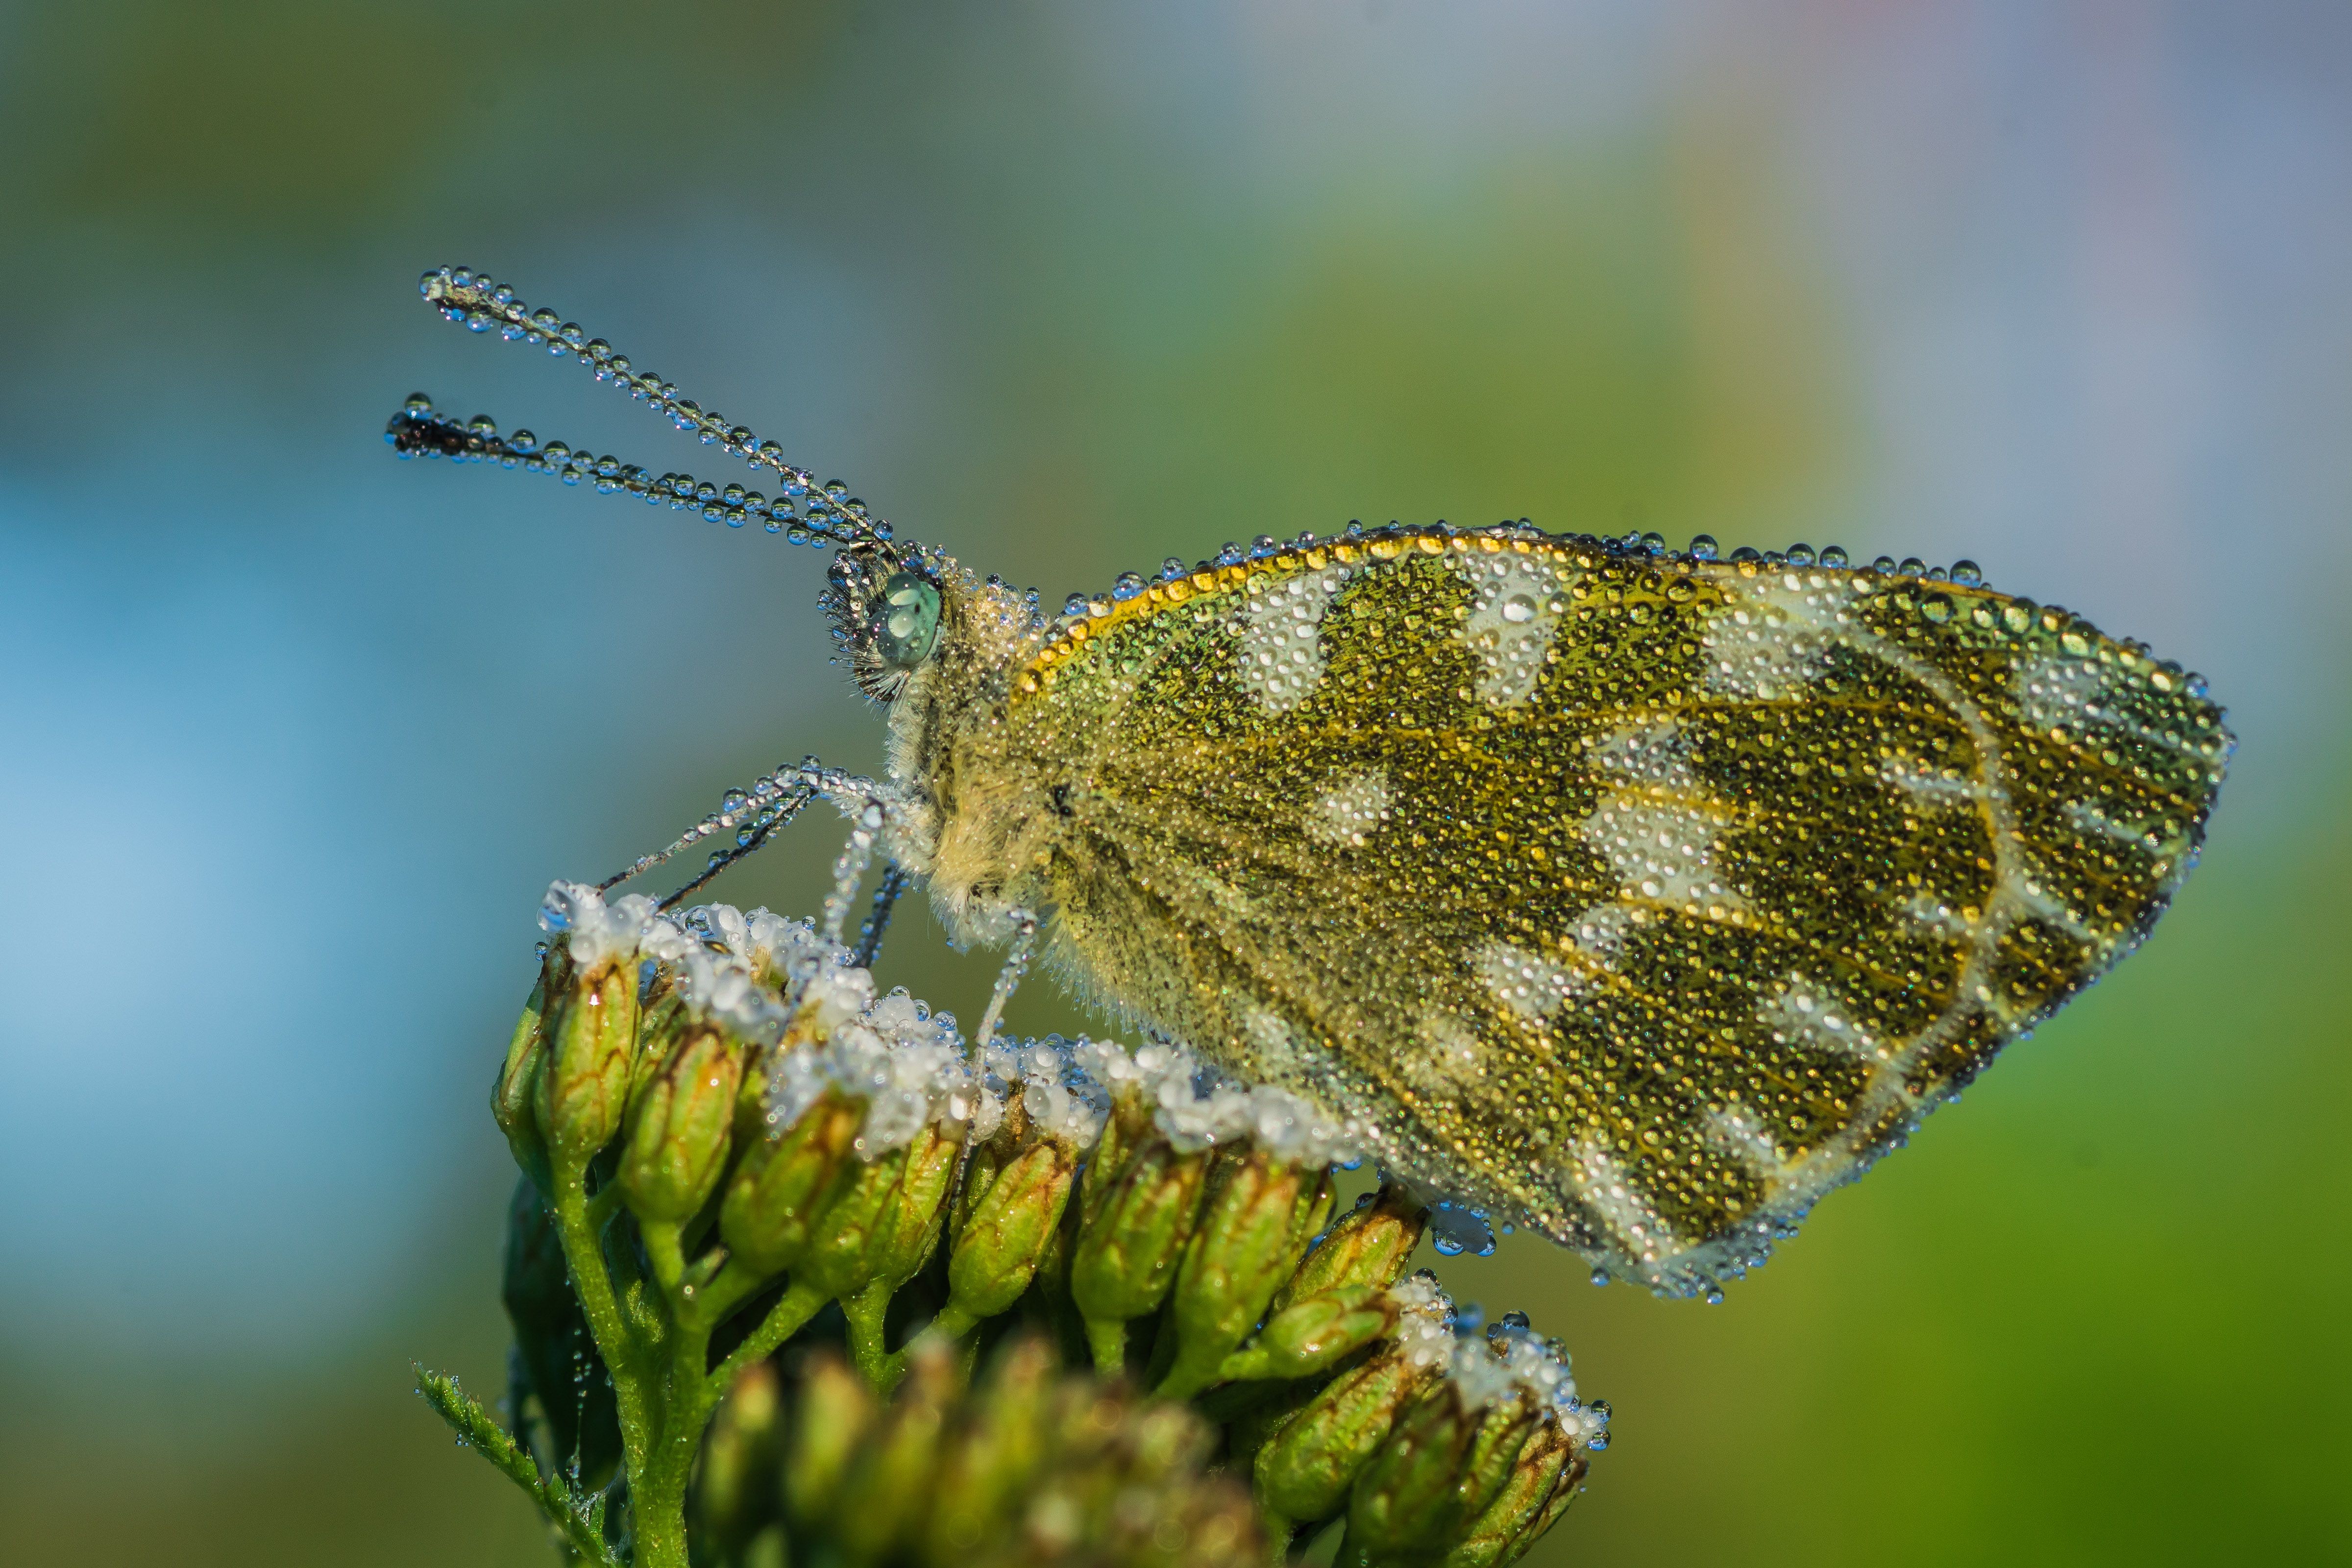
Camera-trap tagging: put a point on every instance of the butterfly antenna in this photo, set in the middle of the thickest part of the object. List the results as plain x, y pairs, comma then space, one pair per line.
803, 509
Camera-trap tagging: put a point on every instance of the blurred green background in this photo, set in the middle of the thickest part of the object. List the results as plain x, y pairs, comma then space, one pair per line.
291, 736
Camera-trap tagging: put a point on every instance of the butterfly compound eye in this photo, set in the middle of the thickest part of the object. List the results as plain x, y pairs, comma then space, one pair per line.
906, 620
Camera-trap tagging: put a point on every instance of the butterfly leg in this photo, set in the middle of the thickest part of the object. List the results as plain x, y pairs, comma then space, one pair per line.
1008, 978
895, 881
753, 815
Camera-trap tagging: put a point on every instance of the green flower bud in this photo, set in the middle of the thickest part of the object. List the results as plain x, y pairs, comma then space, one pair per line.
886, 1485
583, 1084
1030, 1468
830, 1418
881, 1229
1126, 1131
1314, 1334
679, 1127
514, 1094
783, 1185
1445, 1461
1546, 1471
1247, 1242
992, 1459
1309, 1215
662, 1018
1130, 1245
1371, 1246
735, 1487
559, 1361
1010, 1221
1302, 1472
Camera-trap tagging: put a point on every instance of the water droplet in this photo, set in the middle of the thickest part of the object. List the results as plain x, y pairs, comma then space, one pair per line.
1966, 572
1702, 547
1833, 555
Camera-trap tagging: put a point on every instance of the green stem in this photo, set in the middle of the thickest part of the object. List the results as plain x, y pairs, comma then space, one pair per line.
623, 1349
865, 1311
582, 1542
664, 1249
1107, 1338
786, 1318
657, 1488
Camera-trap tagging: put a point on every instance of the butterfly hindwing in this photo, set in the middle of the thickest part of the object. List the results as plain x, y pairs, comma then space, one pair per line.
1642, 897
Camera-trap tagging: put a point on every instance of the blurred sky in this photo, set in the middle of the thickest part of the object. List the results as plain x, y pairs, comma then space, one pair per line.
291, 736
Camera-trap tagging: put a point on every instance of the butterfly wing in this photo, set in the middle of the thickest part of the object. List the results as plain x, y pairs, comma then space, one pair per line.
1642, 897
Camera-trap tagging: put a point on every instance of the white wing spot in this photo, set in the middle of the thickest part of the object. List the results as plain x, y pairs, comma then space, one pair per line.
1351, 810
1608, 1195
2091, 818
1454, 1059
1774, 637
1803, 1013
1738, 1133
1527, 983
2057, 692
1515, 607
1650, 752
1601, 930
1283, 1054
1278, 649
1664, 850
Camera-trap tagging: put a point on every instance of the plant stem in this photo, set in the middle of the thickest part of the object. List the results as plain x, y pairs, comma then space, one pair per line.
785, 1318
1107, 1338
623, 1350
865, 1311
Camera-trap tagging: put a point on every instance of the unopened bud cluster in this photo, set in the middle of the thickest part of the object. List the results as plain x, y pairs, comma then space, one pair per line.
734, 1151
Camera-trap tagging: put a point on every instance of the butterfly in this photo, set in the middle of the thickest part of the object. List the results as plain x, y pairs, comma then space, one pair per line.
1637, 896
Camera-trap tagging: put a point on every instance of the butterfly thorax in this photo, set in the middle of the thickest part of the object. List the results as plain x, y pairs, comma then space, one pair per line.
978, 817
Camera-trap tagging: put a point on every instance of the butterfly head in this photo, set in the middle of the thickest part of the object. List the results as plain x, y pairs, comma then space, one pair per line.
886, 605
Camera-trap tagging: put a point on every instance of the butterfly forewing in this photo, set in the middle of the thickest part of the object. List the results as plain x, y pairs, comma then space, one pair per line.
1643, 897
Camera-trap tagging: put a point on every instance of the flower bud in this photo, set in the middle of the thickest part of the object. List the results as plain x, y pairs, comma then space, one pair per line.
559, 1358
1005, 1234
884, 1489
1302, 1472
998, 1449
908, 1225
735, 1482
1371, 1246
662, 1019
784, 1184
879, 1231
584, 1084
514, 1094
1129, 1244
1245, 1244
1444, 1461
679, 1127
1127, 1133
832, 1416
1314, 1334
1541, 1483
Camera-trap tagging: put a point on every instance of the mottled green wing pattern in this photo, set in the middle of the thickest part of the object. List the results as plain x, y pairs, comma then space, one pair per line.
1643, 897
